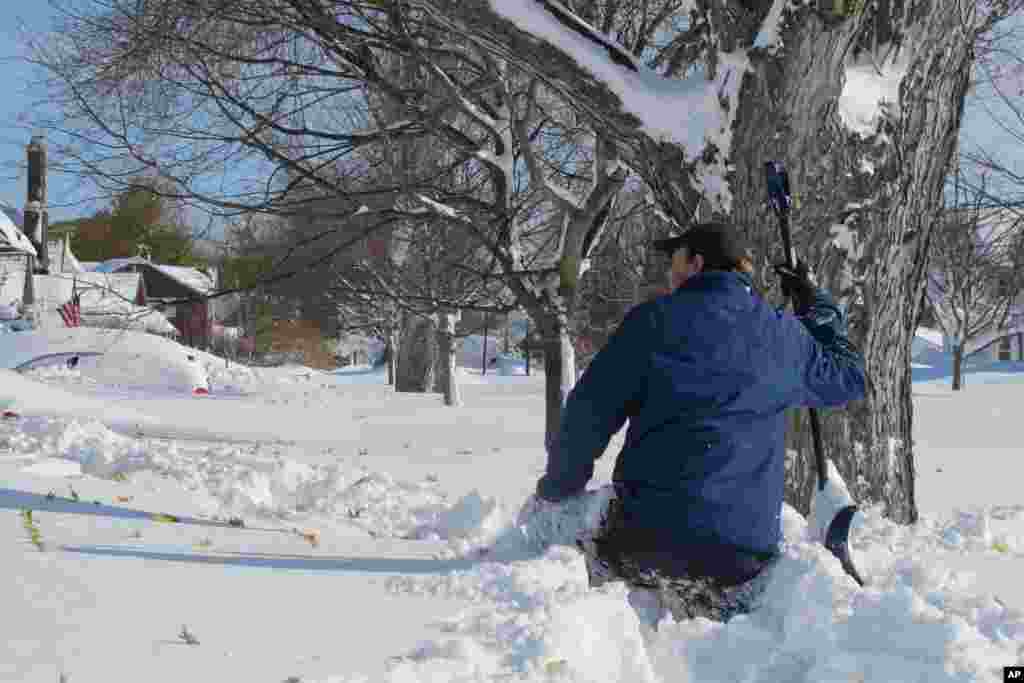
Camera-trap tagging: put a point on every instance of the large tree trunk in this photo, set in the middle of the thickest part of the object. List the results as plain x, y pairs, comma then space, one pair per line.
417, 356
788, 112
445, 375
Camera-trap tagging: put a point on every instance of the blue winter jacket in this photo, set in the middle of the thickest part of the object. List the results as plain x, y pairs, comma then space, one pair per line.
704, 376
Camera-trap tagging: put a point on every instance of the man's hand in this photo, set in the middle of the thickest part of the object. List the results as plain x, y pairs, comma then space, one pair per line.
797, 285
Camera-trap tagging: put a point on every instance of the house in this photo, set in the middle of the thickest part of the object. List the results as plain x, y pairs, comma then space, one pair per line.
179, 292
119, 300
107, 299
113, 300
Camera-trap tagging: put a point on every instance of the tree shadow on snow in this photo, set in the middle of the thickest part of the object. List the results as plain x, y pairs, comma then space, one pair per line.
12, 499
943, 370
367, 565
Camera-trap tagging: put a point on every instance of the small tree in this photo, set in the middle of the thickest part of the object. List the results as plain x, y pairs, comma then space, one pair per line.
972, 278
137, 217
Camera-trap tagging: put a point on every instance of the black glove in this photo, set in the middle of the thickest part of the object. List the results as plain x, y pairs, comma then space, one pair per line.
797, 285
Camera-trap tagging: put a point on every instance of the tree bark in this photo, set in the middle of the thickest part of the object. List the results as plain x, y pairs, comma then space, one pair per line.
417, 356
559, 369
793, 107
446, 375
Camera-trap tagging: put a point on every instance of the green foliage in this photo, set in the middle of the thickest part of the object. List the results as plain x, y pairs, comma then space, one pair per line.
137, 220
244, 271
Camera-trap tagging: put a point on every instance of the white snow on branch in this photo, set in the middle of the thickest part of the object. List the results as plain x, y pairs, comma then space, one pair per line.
685, 112
768, 36
504, 161
438, 207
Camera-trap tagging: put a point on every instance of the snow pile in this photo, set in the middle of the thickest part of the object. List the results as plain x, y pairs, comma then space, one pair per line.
27, 397
540, 524
127, 357
537, 619
236, 480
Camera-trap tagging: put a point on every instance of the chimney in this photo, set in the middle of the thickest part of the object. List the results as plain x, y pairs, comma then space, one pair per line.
36, 216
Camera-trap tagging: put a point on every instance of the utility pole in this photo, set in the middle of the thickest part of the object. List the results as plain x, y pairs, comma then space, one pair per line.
36, 215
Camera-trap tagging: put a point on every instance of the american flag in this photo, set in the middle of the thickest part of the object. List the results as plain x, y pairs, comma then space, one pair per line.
71, 311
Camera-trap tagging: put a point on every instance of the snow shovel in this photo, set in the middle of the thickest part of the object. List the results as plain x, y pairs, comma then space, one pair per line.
837, 536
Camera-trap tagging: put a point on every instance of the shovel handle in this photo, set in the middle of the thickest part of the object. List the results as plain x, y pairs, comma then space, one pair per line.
779, 194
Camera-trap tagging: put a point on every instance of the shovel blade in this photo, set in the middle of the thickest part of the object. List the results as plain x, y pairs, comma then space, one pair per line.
837, 540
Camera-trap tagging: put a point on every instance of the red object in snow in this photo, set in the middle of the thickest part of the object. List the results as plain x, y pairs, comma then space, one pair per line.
10, 415
71, 311
201, 391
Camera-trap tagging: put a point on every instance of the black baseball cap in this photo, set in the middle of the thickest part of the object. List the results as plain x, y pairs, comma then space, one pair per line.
719, 243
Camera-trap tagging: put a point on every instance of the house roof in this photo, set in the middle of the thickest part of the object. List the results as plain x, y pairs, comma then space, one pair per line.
11, 236
108, 292
115, 264
192, 278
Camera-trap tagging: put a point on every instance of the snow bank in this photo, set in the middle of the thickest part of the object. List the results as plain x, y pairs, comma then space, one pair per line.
246, 480
27, 397
129, 358
914, 621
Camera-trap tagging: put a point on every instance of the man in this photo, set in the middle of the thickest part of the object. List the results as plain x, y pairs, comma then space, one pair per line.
704, 375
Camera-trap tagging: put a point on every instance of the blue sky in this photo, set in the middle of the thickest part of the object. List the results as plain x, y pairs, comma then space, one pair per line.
20, 97
69, 200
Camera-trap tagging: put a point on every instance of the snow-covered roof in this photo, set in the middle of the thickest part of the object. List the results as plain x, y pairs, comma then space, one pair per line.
13, 213
193, 278
115, 264
11, 236
108, 291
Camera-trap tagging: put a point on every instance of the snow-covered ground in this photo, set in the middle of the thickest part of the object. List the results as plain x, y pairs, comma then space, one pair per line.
421, 568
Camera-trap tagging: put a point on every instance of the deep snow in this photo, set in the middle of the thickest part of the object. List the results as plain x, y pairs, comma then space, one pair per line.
428, 566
